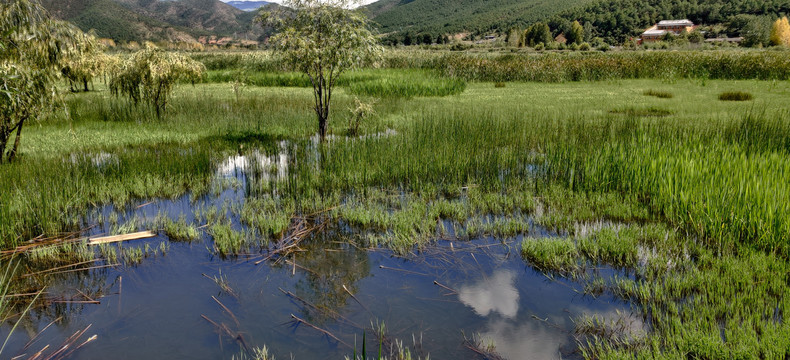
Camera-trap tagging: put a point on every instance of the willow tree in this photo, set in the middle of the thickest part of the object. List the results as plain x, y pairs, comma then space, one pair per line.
32, 47
86, 61
322, 39
150, 74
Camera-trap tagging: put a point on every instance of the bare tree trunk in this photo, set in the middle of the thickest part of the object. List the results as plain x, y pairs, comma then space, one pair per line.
322, 125
12, 153
85, 84
3, 140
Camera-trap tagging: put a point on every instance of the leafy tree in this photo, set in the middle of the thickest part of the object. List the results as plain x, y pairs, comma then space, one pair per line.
780, 32
756, 32
427, 39
407, 40
86, 61
440, 39
32, 47
323, 39
695, 37
513, 37
149, 75
538, 33
576, 35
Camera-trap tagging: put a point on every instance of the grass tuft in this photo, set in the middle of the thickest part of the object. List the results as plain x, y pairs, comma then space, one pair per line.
648, 112
659, 94
735, 96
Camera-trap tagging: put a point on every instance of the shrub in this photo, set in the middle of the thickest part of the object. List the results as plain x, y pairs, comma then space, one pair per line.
460, 47
584, 47
735, 96
659, 94
649, 112
499, 84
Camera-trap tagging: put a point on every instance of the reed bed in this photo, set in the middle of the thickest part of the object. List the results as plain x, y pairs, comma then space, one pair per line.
558, 67
552, 66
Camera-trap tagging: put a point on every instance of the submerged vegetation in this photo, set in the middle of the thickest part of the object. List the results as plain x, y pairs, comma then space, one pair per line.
689, 207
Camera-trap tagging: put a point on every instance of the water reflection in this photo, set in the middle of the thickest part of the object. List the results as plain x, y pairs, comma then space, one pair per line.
271, 167
331, 274
161, 302
495, 294
528, 339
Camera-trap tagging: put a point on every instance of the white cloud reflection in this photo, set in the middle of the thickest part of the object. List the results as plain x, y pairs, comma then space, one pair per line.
495, 294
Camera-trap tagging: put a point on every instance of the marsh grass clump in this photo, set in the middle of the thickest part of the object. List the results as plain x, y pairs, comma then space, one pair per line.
255, 353
227, 241
179, 230
551, 255
659, 94
622, 332
60, 254
360, 112
267, 215
499, 84
646, 112
483, 346
132, 256
735, 96
609, 246
565, 209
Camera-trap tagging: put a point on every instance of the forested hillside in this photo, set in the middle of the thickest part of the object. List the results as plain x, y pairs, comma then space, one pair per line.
137, 20
112, 20
616, 20
454, 16
612, 20
212, 16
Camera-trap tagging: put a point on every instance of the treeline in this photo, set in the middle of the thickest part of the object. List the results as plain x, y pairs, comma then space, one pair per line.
615, 21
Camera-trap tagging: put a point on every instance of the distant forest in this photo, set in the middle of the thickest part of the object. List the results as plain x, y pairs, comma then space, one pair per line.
609, 21
616, 20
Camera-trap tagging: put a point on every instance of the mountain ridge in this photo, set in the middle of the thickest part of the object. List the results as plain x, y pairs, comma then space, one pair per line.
173, 20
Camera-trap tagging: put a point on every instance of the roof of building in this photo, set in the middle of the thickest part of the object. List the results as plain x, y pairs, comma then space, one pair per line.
732, 39
685, 22
653, 32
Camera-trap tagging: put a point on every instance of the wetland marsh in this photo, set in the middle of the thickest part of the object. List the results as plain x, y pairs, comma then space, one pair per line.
615, 218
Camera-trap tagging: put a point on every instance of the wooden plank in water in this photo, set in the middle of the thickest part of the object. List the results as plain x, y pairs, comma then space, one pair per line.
119, 238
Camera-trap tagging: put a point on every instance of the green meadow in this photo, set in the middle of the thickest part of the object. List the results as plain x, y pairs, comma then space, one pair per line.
689, 187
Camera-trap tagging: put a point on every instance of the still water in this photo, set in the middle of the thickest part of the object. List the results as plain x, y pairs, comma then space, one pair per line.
189, 303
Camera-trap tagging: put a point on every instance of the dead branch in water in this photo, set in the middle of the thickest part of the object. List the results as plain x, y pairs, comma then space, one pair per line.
453, 292
326, 312
224, 329
487, 352
297, 231
69, 346
327, 333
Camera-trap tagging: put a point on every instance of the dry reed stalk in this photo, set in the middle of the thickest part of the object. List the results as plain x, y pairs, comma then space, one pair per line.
453, 292
401, 270
325, 332
61, 267
232, 316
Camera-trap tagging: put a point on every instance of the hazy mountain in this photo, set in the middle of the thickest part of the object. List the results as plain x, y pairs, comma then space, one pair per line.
174, 20
247, 5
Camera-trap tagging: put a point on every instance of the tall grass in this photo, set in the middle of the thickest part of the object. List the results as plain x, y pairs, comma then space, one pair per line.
602, 66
